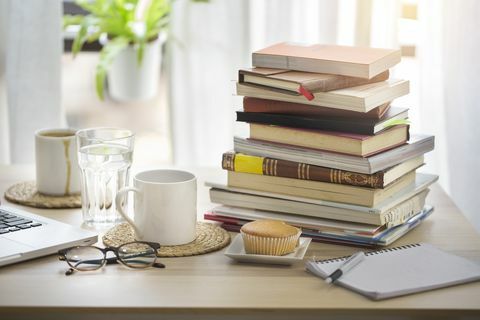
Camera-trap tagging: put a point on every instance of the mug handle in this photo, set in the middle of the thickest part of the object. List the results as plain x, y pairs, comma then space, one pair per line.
118, 202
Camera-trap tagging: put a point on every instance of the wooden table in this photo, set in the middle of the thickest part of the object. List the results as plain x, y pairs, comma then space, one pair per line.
212, 286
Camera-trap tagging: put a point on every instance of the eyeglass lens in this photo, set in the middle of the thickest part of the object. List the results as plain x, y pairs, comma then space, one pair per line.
85, 258
137, 255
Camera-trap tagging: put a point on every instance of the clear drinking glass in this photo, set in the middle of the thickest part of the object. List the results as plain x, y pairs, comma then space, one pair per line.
104, 157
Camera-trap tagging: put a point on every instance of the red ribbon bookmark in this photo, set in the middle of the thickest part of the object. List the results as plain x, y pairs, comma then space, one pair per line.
304, 92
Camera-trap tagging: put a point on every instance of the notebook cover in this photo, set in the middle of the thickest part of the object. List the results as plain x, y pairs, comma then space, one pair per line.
384, 274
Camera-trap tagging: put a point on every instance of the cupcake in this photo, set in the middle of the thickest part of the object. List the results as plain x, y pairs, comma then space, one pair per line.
269, 237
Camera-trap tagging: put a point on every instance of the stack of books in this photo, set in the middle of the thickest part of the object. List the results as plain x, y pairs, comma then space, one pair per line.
327, 152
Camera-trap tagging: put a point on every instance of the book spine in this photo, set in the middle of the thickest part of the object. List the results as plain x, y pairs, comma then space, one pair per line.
288, 169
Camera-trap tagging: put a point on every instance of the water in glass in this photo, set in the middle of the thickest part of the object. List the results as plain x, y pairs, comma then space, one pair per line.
105, 170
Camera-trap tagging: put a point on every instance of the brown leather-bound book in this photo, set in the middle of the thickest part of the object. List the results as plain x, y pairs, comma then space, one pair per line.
301, 83
282, 107
239, 162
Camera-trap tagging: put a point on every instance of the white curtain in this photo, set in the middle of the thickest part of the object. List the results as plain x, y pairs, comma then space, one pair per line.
30, 62
450, 96
211, 41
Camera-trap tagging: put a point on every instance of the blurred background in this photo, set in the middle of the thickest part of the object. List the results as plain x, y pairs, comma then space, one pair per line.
189, 121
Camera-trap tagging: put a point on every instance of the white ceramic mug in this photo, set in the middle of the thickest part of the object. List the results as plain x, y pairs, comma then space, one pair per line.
57, 170
165, 206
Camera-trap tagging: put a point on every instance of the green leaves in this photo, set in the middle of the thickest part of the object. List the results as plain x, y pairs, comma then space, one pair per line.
123, 22
107, 55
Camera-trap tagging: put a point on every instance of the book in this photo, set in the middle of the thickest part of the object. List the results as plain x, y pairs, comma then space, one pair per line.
288, 169
380, 237
315, 238
394, 216
416, 146
360, 99
301, 83
282, 107
400, 271
240, 216
351, 125
360, 62
391, 211
318, 190
345, 143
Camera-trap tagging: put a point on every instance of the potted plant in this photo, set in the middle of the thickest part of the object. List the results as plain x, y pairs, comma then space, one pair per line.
130, 32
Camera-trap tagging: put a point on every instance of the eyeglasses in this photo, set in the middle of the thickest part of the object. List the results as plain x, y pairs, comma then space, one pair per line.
136, 255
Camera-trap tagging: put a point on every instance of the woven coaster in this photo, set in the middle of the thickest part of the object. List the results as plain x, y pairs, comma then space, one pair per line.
210, 237
26, 193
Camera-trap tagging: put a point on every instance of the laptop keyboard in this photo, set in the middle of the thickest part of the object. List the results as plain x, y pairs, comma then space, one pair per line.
10, 222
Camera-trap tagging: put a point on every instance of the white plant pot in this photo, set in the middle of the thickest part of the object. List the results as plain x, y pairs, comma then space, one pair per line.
128, 81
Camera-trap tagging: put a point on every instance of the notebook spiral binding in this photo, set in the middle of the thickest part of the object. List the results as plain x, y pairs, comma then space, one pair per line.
370, 253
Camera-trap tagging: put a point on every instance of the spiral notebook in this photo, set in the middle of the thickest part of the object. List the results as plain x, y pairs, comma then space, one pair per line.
401, 270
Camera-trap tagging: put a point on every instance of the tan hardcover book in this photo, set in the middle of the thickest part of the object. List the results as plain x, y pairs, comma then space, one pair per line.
281, 107
362, 62
360, 99
302, 83
346, 143
239, 162
319, 190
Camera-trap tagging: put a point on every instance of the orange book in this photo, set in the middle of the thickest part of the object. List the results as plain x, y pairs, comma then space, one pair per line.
362, 62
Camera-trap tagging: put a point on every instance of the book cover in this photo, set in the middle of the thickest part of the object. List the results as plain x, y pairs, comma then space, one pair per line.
288, 169
318, 190
382, 238
352, 125
340, 142
392, 211
302, 83
359, 99
416, 146
281, 107
363, 62
407, 269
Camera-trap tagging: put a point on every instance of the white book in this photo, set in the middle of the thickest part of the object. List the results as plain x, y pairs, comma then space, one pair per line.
416, 146
361, 98
324, 229
399, 271
383, 213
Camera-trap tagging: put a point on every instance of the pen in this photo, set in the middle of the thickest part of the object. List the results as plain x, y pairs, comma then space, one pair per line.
346, 266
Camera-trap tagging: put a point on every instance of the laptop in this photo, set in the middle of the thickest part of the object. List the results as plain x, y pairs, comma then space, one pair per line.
25, 235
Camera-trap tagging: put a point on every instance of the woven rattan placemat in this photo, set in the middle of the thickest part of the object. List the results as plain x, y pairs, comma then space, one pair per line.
210, 237
26, 193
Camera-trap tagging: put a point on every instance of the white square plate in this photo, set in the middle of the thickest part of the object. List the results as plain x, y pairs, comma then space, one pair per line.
236, 251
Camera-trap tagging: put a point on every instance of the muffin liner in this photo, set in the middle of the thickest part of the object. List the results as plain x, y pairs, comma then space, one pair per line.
269, 245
